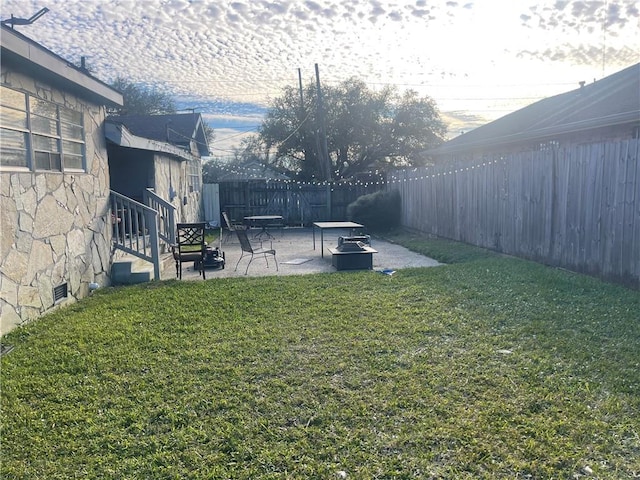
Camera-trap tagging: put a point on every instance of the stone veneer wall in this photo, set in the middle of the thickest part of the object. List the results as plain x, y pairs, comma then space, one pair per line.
54, 226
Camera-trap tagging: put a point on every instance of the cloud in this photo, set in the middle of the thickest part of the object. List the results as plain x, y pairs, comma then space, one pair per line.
581, 32
459, 122
227, 140
579, 14
277, 8
376, 11
632, 10
587, 11
235, 57
584, 55
420, 12
239, 7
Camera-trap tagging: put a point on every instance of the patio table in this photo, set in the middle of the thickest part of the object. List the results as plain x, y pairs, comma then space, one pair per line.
331, 225
263, 221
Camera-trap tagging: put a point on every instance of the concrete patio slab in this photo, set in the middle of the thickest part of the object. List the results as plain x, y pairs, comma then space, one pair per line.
296, 256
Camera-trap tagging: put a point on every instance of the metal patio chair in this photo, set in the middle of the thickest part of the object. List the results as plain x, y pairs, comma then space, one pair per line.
247, 249
231, 227
191, 246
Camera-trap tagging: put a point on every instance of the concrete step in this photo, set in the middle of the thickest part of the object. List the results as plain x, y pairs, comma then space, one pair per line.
122, 273
128, 269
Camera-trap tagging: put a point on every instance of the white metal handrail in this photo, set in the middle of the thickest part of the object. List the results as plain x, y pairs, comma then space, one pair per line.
167, 215
135, 229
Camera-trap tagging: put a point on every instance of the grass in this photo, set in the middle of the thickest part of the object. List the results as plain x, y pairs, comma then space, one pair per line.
492, 367
440, 249
211, 237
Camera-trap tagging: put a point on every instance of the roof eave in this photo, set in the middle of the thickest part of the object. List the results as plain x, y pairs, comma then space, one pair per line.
624, 118
119, 135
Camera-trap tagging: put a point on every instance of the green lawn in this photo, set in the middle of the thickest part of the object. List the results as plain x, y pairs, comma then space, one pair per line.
491, 367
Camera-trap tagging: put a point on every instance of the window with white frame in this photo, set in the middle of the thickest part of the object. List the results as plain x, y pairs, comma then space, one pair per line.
39, 135
194, 176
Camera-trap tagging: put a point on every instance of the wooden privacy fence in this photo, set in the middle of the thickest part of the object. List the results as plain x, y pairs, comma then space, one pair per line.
298, 203
576, 207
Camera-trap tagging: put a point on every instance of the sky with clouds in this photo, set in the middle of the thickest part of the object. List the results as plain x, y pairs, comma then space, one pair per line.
478, 59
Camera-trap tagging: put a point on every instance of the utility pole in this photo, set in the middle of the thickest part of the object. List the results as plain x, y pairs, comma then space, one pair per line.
325, 162
300, 87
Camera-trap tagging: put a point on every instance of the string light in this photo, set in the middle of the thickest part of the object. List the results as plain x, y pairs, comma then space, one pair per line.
413, 174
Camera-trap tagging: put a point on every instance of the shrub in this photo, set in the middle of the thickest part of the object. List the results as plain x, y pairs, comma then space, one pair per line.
379, 211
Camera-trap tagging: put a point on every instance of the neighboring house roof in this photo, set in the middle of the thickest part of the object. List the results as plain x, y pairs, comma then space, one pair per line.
35, 60
611, 101
177, 129
118, 134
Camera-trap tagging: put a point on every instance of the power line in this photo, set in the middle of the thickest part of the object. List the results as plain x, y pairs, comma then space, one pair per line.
238, 127
265, 96
222, 149
439, 98
399, 84
231, 136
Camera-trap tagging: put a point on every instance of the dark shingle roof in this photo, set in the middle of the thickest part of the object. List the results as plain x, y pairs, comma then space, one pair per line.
613, 100
175, 128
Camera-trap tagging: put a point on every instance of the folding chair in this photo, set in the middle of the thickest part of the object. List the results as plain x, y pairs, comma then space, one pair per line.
245, 244
191, 246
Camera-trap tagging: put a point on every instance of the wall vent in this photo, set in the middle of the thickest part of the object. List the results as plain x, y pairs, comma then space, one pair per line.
60, 293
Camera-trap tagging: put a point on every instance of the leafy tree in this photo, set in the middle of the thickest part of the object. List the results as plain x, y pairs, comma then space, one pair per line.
290, 132
365, 130
139, 100
209, 132
212, 169
250, 150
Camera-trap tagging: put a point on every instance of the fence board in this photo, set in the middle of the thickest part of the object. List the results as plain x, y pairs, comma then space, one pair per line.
634, 151
298, 203
594, 197
629, 207
576, 206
